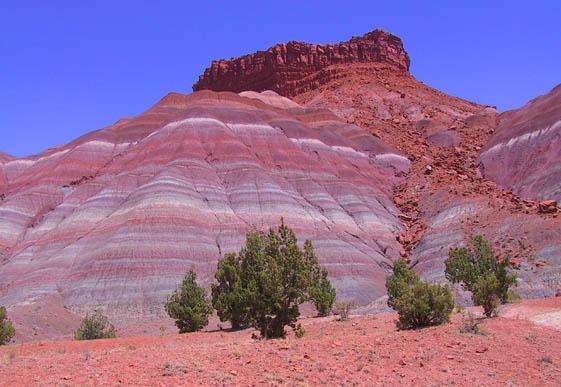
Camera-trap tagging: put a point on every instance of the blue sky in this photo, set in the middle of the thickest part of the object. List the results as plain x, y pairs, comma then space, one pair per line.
69, 67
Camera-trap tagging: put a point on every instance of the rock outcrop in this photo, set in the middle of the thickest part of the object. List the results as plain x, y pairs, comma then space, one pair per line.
548, 207
295, 67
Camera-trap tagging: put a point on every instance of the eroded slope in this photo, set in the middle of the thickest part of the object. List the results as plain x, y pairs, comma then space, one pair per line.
445, 198
525, 153
113, 219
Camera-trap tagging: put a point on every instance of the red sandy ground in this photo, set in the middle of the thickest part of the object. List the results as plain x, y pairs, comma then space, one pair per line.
366, 350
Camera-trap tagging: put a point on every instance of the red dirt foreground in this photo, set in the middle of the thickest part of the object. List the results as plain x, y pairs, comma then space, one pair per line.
367, 350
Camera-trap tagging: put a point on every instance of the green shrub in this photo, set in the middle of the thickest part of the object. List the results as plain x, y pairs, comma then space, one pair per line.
6, 328
400, 282
481, 272
485, 293
424, 305
229, 294
513, 297
277, 278
343, 309
321, 291
95, 326
299, 331
470, 324
418, 303
264, 284
189, 305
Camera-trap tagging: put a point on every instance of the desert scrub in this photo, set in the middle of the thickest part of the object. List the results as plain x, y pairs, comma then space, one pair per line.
480, 271
7, 330
343, 309
264, 284
419, 304
95, 326
470, 324
189, 305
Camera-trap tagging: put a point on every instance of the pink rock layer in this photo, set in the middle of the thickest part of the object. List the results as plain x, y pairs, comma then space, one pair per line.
524, 155
114, 219
296, 67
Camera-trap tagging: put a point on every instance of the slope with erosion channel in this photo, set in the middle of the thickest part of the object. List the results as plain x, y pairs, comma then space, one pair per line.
445, 197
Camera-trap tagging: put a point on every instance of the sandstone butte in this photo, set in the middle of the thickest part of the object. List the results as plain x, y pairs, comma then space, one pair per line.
341, 140
295, 67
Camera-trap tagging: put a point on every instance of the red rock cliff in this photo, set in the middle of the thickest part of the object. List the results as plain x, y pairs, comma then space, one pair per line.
295, 67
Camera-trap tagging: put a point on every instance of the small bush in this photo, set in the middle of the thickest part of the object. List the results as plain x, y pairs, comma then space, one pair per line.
321, 291
532, 338
425, 305
481, 272
344, 308
459, 309
7, 330
471, 325
189, 305
513, 297
485, 293
418, 303
10, 356
229, 296
299, 331
95, 326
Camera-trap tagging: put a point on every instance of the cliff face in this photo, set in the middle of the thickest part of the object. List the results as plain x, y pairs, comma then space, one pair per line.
293, 68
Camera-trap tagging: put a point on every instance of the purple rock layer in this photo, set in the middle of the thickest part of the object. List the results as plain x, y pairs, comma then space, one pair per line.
525, 153
114, 219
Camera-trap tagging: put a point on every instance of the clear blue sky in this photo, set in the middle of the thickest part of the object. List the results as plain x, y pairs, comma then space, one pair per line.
69, 67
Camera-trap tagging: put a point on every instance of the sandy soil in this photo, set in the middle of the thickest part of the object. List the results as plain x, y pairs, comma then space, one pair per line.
366, 350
